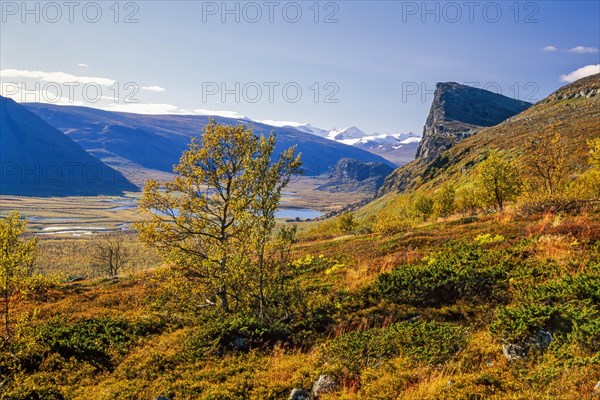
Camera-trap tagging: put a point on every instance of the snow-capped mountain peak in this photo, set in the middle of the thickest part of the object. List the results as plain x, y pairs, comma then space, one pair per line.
308, 128
398, 148
348, 133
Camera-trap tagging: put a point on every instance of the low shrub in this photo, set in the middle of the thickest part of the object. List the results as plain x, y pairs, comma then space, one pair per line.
347, 223
568, 308
221, 335
37, 285
488, 239
460, 271
95, 340
429, 343
310, 263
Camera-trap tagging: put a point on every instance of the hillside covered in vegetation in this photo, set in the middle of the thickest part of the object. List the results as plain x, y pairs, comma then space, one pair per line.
478, 280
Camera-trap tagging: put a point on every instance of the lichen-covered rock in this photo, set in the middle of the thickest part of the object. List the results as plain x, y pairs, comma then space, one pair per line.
299, 394
325, 384
240, 344
541, 339
513, 351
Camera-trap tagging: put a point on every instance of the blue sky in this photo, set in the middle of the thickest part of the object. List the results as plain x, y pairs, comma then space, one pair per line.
370, 64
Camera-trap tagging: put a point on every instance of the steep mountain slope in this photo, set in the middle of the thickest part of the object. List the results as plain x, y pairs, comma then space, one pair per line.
573, 111
458, 111
155, 142
39, 160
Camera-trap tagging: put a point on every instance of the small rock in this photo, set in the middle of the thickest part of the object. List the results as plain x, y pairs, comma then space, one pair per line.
299, 394
513, 351
541, 339
597, 389
324, 384
240, 344
161, 398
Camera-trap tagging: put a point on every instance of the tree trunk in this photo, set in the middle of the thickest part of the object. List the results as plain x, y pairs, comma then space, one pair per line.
6, 319
261, 294
222, 293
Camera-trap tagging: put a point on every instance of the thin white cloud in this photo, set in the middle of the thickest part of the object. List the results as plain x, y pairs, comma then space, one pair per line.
550, 48
22, 94
154, 88
225, 114
584, 50
581, 73
54, 77
82, 65
145, 108
280, 123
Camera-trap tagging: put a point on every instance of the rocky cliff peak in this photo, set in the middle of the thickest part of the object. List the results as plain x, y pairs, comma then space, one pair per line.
458, 111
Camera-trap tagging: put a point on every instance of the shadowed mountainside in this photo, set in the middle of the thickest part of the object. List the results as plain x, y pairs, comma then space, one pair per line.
39, 160
156, 141
356, 176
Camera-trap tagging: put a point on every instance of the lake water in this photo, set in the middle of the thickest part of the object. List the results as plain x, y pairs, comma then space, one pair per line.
293, 213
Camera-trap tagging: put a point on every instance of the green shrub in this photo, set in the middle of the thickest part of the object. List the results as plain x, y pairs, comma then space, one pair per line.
468, 200
444, 201
424, 342
460, 271
310, 263
347, 223
37, 285
390, 223
488, 239
96, 340
219, 335
326, 229
568, 308
423, 206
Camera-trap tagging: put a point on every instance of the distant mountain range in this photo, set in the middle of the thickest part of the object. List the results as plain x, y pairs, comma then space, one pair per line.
155, 142
36, 159
399, 148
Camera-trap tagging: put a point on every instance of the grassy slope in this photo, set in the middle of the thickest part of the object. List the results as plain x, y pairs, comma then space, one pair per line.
156, 353
157, 360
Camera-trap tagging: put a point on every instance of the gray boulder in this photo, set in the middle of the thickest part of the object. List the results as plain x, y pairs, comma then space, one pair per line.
240, 344
324, 384
541, 339
299, 394
513, 351
597, 389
